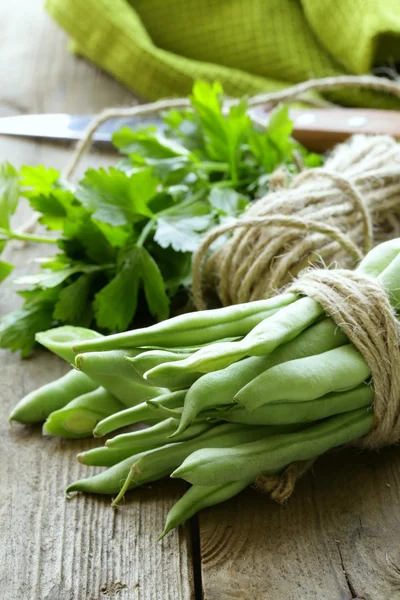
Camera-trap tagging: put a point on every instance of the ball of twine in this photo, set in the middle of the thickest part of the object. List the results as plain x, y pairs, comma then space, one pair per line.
326, 216
360, 306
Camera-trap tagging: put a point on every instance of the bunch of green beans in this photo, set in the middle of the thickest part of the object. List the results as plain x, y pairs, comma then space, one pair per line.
232, 393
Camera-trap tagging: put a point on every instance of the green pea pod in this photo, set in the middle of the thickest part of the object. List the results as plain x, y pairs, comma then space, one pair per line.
277, 329
157, 435
195, 328
37, 406
306, 378
145, 411
160, 462
112, 371
198, 497
219, 388
213, 466
80, 416
61, 339
283, 413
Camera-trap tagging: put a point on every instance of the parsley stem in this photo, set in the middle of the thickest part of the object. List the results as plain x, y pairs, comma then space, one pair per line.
214, 167
29, 237
145, 232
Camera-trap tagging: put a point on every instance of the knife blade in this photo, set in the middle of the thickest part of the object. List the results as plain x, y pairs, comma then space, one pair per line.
316, 128
65, 127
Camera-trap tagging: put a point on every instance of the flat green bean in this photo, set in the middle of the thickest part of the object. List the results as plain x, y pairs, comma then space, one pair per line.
198, 497
112, 371
60, 340
107, 457
79, 417
160, 462
219, 388
210, 466
145, 411
157, 435
152, 358
379, 258
283, 413
283, 326
37, 405
195, 328
306, 378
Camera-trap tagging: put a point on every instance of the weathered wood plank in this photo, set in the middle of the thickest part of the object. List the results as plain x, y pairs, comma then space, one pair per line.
336, 538
52, 548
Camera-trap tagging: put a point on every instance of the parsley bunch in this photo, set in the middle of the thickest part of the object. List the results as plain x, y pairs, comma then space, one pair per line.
126, 234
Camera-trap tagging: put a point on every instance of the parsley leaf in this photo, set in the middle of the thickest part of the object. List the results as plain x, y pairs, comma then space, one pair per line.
18, 328
182, 230
116, 303
115, 198
72, 303
9, 194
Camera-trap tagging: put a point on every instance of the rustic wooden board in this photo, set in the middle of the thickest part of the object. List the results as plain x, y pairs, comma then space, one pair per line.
52, 548
336, 538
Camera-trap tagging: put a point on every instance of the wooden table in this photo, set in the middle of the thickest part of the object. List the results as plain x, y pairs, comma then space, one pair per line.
337, 538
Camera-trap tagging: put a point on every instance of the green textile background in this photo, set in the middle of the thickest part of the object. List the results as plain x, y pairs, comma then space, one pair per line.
158, 48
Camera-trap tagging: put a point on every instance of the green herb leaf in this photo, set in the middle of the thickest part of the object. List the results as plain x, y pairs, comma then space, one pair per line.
227, 202
5, 269
137, 266
9, 194
72, 304
38, 180
181, 229
149, 143
18, 328
154, 287
115, 198
51, 279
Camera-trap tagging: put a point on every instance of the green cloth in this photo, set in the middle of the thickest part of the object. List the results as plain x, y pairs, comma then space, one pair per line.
158, 48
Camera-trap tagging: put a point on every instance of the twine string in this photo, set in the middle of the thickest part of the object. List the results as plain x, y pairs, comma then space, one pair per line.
361, 308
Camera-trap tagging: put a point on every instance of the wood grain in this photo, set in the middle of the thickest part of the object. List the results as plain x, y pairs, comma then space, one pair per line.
336, 538
52, 548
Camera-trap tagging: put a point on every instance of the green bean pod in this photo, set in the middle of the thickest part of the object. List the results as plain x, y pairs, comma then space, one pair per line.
210, 466
37, 405
198, 497
305, 379
160, 462
152, 358
143, 412
80, 416
219, 388
61, 339
283, 413
157, 435
193, 329
379, 258
107, 457
283, 326
112, 371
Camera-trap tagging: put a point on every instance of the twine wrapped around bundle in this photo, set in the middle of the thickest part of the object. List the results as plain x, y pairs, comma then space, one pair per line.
361, 308
327, 216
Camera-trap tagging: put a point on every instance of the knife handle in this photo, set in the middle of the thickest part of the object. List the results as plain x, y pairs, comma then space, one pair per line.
322, 128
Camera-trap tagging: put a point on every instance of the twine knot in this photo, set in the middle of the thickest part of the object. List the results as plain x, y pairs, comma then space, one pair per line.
361, 308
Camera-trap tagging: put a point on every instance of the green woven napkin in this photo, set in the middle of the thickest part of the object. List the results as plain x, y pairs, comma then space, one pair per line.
158, 48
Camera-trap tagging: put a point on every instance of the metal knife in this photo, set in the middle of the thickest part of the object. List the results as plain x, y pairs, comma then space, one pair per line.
316, 128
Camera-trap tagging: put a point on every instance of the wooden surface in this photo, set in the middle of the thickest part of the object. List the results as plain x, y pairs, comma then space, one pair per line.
336, 539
